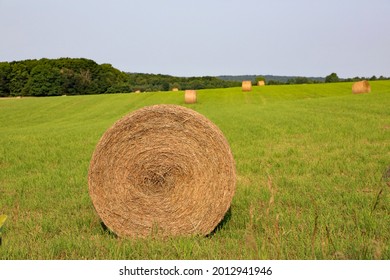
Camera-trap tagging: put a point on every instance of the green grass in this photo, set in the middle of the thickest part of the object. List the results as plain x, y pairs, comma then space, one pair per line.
310, 160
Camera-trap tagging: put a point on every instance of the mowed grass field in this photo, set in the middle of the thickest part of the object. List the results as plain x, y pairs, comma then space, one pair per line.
310, 162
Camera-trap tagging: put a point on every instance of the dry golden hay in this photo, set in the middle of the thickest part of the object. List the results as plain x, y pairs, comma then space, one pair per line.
190, 96
261, 83
175, 89
361, 87
138, 91
246, 85
164, 170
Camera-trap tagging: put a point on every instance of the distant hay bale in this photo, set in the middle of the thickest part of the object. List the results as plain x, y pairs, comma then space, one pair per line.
175, 89
164, 170
361, 87
138, 91
261, 83
246, 85
190, 96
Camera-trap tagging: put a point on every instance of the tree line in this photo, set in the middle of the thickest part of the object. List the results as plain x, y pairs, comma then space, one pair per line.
291, 80
73, 76
334, 78
159, 82
331, 78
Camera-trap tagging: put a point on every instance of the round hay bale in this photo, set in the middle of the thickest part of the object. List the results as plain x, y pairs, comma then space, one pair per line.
164, 170
190, 96
246, 85
361, 87
175, 89
261, 83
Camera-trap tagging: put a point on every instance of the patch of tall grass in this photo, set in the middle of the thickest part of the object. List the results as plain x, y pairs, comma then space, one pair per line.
310, 161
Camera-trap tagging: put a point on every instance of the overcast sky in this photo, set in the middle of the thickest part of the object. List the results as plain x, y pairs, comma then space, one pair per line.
204, 37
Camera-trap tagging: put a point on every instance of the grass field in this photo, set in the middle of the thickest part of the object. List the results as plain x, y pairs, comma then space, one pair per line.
310, 161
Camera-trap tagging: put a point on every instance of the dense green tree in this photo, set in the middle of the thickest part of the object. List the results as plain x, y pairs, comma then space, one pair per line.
107, 77
68, 81
165, 86
18, 79
120, 88
45, 80
5, 71
332, 78
174, 85
274, 82
299, 80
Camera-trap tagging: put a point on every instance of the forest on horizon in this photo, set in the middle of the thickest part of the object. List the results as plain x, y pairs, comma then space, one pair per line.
76, 76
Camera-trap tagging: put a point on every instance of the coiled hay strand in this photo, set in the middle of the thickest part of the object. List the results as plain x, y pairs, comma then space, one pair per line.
190, 96
164, 170
246, 85
361, 87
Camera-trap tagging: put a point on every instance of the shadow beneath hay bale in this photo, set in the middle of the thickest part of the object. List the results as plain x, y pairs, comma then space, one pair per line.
107, 231
222, 223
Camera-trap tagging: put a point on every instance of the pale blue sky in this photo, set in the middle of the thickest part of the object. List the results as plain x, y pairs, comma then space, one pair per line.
204, 37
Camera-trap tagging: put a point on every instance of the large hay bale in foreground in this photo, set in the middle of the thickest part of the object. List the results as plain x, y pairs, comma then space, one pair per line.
190, 96
361, 87
162, 169
246, 85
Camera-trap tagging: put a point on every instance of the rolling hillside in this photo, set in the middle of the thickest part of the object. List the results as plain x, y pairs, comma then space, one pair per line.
310, 161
